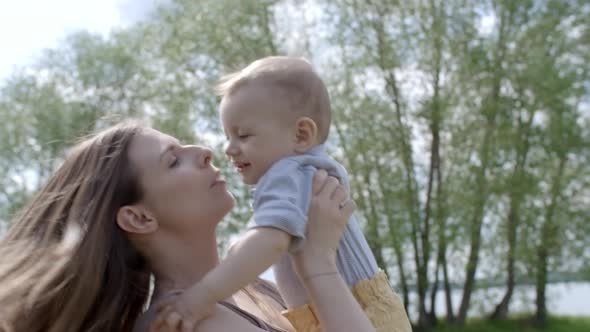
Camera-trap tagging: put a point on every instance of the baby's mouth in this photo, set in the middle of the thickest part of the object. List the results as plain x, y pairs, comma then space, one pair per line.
241, 166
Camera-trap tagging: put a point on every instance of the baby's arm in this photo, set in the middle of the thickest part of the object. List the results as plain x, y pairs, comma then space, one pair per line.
255, 252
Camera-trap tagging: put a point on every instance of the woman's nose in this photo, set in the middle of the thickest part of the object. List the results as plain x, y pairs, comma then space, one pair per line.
204, 156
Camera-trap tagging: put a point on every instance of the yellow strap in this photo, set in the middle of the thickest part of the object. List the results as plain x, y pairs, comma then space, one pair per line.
303, 319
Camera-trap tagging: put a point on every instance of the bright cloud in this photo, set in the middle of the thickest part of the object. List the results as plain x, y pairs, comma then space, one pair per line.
29, 26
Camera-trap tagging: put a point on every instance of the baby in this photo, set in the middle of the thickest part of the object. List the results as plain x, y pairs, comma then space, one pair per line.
276, 117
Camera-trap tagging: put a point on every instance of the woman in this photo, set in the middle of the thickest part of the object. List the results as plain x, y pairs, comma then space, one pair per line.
132, 202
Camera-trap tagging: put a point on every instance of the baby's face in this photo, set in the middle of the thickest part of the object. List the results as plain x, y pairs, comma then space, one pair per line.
258, 128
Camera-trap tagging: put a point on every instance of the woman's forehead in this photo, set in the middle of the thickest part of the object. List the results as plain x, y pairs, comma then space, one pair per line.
148, 145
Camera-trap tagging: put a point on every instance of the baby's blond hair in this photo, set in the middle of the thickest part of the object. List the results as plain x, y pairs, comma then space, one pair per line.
305, 90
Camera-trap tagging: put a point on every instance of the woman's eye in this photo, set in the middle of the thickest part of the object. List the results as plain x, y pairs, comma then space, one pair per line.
243, 136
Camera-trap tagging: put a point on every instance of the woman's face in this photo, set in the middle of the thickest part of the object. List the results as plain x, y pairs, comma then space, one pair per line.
180, 185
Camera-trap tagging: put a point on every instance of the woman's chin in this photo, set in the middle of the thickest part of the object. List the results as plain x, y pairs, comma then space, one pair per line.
228, 204
231, 202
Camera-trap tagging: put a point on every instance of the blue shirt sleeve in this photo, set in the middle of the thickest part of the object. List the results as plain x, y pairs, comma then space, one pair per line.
281, 200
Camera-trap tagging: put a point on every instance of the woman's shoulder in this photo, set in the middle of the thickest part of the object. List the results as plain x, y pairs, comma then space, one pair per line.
269, 290
222, 319
226, 319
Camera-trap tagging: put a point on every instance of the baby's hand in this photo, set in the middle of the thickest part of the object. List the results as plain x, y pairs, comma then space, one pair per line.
168, 321
182, 311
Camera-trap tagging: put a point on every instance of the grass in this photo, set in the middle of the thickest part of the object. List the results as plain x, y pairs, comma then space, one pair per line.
556, 324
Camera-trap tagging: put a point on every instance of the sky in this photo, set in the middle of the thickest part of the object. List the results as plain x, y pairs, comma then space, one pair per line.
29, 26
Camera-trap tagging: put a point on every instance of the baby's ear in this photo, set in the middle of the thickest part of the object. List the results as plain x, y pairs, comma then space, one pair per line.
306, 133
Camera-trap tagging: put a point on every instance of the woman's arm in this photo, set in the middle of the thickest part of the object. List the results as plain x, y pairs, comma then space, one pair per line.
315, 263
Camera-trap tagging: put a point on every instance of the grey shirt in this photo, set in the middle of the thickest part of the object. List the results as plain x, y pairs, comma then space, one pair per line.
282, 199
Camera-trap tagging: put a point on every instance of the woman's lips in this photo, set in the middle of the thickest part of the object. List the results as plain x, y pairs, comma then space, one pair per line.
218, 180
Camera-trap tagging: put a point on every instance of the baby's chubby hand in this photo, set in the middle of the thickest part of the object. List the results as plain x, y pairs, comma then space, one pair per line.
182, 311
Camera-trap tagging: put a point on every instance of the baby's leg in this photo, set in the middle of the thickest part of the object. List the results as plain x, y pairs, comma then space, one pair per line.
381, 304
289, 285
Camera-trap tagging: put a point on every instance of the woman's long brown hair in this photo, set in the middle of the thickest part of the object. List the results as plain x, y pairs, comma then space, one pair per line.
65, 265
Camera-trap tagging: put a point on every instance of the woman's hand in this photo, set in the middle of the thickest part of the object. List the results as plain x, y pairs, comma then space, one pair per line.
329, 212
332, 300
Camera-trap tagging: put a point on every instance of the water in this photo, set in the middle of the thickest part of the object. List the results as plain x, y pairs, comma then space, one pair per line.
563, 299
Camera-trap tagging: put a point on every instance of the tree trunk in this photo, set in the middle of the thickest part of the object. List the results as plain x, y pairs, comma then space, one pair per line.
475, 236
372, 226
437, 30
545, 245
442, 240
434, 172
409, 174
516, 197
481, 184
448, 298
404, 283
540, 318
433, 291
501, 310
395, 238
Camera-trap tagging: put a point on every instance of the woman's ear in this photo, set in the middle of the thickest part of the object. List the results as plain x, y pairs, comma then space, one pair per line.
134, 219
306, 132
